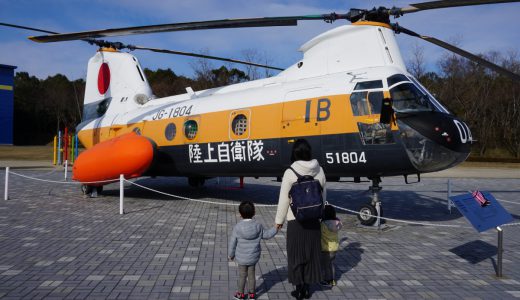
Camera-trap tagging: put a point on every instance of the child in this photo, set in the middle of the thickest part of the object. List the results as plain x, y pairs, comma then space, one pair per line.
244, 247
329, 243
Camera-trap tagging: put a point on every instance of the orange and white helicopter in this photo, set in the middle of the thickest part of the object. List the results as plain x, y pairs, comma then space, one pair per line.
350, 96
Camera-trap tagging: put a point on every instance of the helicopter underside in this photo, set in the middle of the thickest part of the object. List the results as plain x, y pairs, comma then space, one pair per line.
340, 155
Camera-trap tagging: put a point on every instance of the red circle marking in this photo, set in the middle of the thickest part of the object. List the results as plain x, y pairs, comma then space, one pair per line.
103, 80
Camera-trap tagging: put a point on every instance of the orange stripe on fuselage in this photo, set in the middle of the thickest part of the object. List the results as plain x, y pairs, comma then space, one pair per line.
283, 119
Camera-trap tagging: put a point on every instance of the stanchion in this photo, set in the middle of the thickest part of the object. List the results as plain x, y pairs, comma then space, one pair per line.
500, 250
54, 151
76, 146
121, 193
59, 147
6, 190
66, 168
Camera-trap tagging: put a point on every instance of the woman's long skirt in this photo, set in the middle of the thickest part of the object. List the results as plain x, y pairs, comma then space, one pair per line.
304, 252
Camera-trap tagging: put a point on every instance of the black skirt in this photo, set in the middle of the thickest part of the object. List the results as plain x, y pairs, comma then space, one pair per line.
304, 252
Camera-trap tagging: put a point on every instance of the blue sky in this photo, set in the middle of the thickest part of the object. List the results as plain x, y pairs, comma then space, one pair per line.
477, 29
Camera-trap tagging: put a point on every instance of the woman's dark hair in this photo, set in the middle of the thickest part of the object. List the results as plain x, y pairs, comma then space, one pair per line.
301, 151
329, 213
246, 209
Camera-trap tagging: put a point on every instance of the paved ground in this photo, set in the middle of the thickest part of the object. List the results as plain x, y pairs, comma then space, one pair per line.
56, 244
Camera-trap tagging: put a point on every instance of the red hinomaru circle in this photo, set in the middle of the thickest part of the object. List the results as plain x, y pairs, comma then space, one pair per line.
103, 80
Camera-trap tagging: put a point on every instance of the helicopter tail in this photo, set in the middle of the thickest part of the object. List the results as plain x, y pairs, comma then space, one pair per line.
115, 84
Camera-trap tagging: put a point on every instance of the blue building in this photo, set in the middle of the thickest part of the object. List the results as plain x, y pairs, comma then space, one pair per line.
6, 104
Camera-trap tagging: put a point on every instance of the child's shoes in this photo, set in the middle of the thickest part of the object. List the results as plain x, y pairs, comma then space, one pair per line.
239, 296
252, 296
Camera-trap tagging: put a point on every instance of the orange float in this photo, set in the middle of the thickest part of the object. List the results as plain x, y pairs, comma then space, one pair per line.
129, 154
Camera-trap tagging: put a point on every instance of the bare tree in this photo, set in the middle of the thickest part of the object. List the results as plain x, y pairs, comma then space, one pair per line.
416, 64
253, 55
509, 93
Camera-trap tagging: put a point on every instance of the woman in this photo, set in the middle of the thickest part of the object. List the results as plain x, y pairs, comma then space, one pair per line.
303, 238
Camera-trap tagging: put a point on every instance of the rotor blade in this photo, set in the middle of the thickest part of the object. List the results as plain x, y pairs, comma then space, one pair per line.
461, 52
205, 56
118, 45
448, 3
215, 24
27, 28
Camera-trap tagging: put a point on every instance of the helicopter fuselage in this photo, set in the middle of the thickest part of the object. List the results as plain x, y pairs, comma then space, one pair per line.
333, 97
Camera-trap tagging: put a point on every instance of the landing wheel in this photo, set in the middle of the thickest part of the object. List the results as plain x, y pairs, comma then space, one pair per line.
196, 181
85, 189
367, 215
99, 189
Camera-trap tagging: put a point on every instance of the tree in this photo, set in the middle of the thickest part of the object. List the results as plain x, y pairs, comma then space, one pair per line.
252, 72
164, 82
416, 65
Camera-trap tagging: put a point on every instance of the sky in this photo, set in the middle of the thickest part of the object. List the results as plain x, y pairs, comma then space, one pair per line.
478, 29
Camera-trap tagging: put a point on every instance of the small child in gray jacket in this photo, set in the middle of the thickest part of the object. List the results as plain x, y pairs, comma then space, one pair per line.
244, 248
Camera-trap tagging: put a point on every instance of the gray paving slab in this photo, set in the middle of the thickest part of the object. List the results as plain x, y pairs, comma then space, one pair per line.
56, 244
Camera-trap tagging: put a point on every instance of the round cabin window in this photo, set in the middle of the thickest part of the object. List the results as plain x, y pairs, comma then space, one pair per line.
170, 131
239, 124
190, 129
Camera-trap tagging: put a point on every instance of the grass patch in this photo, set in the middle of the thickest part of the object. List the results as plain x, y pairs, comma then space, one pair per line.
26, 153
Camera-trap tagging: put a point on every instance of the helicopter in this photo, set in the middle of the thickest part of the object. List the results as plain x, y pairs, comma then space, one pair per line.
350, 97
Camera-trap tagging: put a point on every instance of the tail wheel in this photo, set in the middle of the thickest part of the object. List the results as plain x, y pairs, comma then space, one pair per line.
85, 189
367, 215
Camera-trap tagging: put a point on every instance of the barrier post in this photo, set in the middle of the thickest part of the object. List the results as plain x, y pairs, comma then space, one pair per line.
66, 144
76, 146
6, 191
121, 193
450, 204
500, 250
59, 147
54, 156
71, 149
66, 168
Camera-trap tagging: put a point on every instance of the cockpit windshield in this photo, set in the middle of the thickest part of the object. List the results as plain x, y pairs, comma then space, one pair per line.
407, 97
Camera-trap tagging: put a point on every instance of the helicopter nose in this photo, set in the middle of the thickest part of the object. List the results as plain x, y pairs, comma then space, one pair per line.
434, 141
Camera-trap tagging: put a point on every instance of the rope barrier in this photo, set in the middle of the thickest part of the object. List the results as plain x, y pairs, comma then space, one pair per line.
43, 180
63, 182
196, 200
44, 174
403, 221
258, 205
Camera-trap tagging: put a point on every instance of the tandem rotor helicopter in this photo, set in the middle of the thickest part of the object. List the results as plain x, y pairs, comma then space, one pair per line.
350, 96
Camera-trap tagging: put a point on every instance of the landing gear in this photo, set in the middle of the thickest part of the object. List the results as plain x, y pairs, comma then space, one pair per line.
370, 214
91, 191
196, 181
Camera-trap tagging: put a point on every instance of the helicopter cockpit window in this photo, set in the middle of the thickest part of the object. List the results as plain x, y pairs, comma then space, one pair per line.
435, 102
366, 103
366, 85
396, 78
375, 134
407, 97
